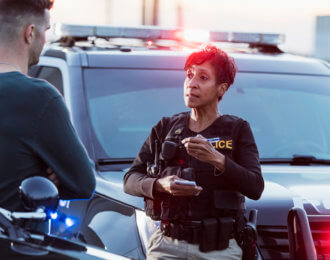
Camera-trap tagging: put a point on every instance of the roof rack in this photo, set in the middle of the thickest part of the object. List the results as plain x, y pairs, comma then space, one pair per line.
177, 34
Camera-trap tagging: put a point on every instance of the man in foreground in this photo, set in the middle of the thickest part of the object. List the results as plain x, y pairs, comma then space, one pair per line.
35, 128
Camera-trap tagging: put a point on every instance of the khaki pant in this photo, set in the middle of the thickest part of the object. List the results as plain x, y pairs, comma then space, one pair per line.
163, 247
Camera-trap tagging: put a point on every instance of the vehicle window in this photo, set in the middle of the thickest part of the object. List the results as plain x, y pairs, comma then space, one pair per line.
100, 222
51, 74
288, 114
125, 106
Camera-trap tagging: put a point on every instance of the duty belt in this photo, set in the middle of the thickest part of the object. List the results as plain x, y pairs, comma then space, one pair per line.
204, 233
189, 231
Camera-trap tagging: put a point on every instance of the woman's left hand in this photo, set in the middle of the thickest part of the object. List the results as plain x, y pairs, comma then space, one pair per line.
202, 150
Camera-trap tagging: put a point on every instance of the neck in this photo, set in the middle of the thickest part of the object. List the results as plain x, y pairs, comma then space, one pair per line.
201, 118
12, 60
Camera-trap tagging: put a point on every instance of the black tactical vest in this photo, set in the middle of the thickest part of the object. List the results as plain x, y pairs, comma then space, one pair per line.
218, 197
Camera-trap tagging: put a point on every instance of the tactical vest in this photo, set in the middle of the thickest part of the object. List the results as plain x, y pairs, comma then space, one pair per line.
218, 199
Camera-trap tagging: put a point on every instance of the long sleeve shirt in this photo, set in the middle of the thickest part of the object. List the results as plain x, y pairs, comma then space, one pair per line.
36, 133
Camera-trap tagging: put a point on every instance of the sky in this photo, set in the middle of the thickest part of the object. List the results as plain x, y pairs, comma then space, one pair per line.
294, 18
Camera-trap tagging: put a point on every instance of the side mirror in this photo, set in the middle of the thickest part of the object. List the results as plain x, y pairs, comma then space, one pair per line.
40, 197
39, 192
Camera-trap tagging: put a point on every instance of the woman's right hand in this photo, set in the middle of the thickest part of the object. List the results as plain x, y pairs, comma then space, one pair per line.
167, 185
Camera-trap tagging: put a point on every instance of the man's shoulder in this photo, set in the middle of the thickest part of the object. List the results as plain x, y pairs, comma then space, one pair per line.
41, 88
28, 88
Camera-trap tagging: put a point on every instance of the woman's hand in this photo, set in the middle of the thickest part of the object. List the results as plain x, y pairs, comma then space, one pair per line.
167, 185
202, 150
51, 175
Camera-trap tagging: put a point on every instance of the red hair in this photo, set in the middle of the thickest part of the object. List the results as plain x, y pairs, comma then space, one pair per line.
224, 66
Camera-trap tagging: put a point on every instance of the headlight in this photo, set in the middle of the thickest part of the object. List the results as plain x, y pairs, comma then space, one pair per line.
146, 227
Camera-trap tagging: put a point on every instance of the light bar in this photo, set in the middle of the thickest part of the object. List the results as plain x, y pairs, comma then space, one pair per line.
143, 32
177, 34
242, 37
196, 36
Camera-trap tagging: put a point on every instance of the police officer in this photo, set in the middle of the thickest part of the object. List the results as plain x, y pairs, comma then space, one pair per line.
217, 152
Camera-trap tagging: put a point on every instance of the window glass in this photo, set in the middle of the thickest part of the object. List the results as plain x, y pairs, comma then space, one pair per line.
100, 222
288, 114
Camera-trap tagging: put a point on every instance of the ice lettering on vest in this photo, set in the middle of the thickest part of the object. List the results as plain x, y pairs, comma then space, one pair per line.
219, 143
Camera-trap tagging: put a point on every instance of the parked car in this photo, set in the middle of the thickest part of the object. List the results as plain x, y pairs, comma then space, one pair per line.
25, 235
118, 82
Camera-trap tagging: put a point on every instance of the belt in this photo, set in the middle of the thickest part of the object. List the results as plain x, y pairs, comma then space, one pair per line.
188, 230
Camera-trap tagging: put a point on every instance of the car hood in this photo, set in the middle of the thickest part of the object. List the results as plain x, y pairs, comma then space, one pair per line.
110, 184
51, 247
286, 186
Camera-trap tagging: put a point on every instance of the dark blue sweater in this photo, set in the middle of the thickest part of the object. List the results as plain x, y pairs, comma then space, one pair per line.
36, 133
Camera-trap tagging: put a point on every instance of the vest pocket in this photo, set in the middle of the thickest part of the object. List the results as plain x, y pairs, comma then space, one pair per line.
216, 233
226, 199
209, 235
153, 208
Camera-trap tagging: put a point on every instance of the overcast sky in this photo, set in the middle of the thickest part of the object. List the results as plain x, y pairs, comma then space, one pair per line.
295, 18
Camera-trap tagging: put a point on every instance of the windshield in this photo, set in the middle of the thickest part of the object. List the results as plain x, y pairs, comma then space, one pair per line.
288, 114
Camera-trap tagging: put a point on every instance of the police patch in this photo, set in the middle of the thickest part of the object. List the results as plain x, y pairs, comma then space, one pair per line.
178, 131
221, 142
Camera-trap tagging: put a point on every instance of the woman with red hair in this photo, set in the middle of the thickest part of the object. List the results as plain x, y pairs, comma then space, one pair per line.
200, 219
